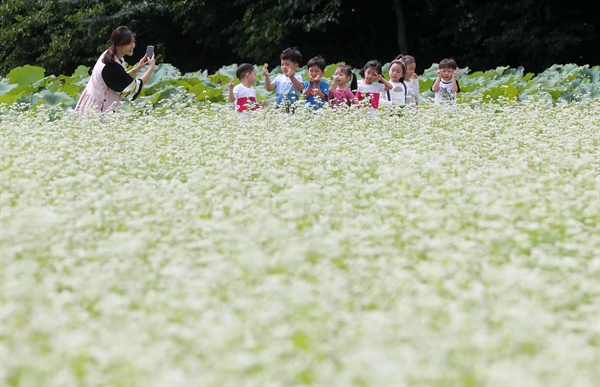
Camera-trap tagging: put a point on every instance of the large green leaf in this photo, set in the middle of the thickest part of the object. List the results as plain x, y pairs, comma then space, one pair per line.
329, 70
53, 98
8, 99
206, 93
166, 93
593, 74
23, 90
70, 89
26, 75
218, 80
81, 72
44, 82
229, 71
162, 73
6, 86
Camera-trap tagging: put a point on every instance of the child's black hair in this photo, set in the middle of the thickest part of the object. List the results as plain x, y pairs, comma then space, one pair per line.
243, 69
401, 63
407, 59
318, 61
347, 69
372, 64
448, 63
291, 53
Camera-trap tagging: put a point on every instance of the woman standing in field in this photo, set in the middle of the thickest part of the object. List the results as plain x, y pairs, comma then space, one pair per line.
110, 79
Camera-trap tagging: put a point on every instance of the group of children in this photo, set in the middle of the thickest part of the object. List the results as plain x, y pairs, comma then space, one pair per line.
401, 89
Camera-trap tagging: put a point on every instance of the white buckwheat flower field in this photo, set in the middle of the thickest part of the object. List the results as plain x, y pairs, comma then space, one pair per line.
186, 246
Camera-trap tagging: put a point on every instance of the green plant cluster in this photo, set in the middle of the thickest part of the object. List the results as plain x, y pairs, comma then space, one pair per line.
28, 86
567, 83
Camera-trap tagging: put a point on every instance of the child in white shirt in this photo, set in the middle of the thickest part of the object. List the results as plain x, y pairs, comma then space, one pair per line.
411, 79
397, 95
446, 86
372, 84
244, 94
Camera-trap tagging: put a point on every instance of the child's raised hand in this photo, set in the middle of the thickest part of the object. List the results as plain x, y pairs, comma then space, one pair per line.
455, 73
439, 72
265, 70
380, 78
230, 83
415, 76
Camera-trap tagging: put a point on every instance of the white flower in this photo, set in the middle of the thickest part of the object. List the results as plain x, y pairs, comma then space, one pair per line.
187, 246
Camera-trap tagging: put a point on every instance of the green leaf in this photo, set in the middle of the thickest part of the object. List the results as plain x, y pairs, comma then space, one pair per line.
8, 99
229, 71
329, 70
53, 98
81, 72
162, 73
23, 89
425, 84
26, 75
511, 92
70, 89
166, 93
219, 80
206, 93
555, 94
6, 86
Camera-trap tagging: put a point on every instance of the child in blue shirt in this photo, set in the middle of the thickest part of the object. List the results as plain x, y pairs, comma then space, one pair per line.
288, 85
316, 91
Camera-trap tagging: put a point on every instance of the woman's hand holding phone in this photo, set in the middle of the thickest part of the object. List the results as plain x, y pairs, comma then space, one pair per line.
149, 52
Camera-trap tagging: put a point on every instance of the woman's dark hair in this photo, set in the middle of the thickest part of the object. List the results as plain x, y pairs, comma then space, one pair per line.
121, 36
372, 64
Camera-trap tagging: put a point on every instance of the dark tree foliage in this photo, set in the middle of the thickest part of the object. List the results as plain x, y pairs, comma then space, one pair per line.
483, 34
363, 32
267, 26
60, 35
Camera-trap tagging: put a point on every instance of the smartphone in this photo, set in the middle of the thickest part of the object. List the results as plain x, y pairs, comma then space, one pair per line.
149, 51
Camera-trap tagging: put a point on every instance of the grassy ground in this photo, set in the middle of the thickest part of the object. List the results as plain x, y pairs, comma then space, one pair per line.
437, 247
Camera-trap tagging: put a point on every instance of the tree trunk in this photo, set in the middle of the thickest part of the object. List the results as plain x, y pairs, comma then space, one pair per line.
402, 44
